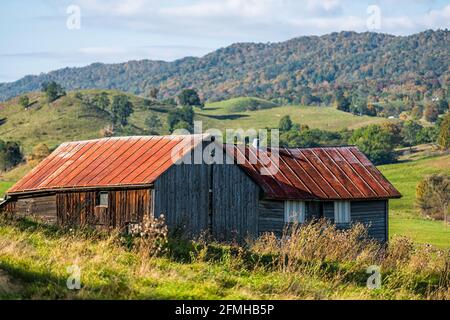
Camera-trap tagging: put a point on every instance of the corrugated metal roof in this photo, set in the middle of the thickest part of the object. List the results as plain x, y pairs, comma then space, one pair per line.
106, 163
331, 173
314, 173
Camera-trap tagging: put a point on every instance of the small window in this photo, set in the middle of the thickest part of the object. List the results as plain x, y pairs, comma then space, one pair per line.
342, 212
103, 199
294, 211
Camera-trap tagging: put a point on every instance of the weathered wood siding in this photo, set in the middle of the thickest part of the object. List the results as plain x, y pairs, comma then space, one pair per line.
182, 194
82, 209
42, 208
374, 215
235, 204
271, 217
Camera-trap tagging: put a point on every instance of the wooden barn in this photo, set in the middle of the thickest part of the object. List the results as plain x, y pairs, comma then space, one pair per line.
115, 182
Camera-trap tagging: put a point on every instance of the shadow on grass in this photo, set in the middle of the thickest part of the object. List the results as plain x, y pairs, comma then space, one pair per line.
225, 117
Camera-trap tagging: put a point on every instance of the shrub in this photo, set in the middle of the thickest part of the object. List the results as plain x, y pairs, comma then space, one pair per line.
444, 133
433, 196
151, 236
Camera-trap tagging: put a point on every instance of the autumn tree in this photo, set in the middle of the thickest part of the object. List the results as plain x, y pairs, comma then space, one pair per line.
431, 112
444, 133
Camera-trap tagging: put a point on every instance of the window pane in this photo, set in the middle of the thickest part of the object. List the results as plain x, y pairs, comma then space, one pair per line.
104, 199
294, 211
342, 212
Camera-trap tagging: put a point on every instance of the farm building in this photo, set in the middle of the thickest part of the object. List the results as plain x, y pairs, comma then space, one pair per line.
115, 182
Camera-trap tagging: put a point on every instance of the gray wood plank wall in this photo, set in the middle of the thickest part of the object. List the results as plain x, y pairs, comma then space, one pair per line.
374, 215
235, 204
182, 195
271, 217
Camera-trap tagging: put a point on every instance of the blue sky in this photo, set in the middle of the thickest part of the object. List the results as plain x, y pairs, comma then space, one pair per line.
34, 36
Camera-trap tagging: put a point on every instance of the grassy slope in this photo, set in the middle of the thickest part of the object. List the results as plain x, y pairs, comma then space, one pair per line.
34, 261
218, 115
63, 120
404, 219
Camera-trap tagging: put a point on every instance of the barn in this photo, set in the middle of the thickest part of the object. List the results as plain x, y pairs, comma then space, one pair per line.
115, 182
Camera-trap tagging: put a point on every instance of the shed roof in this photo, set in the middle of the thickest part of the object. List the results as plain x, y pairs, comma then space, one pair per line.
109, 162
331, 173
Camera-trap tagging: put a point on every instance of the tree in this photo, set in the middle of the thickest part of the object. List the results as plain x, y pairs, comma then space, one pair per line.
395, 129
417, 112
24, 101
39, 153
410, 133
53, 90
153, 93
183, 114
431, 112
190, 97
101, 101
376, 143
121, 109
444, 133
10, 155
341, 102
433, 196
359, 105
153, 123
285, 123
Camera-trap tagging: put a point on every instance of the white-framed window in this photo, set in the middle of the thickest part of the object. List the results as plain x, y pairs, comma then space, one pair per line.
342, 212
294, 211
103, 199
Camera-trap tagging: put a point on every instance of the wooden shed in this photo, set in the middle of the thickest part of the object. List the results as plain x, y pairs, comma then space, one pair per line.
115, 182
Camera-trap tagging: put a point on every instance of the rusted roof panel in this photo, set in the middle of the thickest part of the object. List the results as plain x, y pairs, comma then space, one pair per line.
331, 173
285, 174
106, 163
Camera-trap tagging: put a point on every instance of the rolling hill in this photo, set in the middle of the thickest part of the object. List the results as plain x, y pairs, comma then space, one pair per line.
69, 119
372, 62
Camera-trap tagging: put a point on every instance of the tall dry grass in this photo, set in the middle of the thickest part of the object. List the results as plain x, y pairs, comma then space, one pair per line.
313, 261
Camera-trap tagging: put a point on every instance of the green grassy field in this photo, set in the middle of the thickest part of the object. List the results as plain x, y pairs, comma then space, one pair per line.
218, 115
66, 119
404, 219
34, 261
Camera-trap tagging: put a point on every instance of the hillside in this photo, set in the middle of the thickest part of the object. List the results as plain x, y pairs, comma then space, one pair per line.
404, 218
69, 119
66, 119
376, 63
218, 115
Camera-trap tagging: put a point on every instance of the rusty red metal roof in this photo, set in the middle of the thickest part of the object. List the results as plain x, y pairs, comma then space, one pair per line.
330, 173
107, 162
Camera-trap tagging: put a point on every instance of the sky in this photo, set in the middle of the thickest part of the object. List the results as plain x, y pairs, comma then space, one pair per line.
42, 35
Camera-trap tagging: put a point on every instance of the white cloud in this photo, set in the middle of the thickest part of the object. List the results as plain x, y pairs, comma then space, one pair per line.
438, 18
102, 50
331, 24
222, 8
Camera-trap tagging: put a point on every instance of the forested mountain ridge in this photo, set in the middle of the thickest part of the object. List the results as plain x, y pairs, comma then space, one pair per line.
309, 68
